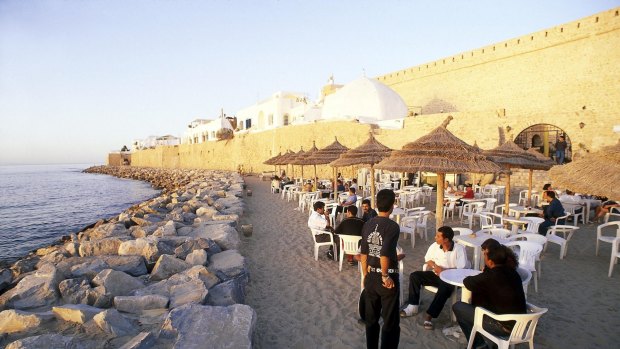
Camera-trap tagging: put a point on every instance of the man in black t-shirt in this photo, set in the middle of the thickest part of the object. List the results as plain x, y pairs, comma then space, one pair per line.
380, 269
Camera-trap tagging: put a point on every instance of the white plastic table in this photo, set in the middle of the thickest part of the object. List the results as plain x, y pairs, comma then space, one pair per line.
519, 210
455, 277
475, 240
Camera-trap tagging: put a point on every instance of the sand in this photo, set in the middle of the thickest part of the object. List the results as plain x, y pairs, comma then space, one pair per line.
303, 303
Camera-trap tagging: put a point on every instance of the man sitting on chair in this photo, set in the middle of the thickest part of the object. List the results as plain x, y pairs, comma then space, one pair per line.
319, 220
498, 289
351, 225
551, 213
446, 254
350, 201
367, 212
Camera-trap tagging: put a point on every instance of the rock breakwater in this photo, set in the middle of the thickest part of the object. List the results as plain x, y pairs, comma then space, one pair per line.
145, 278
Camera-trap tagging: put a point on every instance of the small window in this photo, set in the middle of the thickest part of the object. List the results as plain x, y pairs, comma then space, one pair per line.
285, 119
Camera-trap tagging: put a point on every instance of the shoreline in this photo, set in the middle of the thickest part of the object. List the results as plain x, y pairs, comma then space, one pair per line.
130, 277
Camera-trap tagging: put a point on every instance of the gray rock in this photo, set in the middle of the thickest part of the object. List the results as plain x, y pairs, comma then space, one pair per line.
193, 291
164, 287
78, 313
25, 265
228, 264
20, 321
144, 340
6, 278
234, 210
44, 341
137, 232
167, 229
228, 292
225, 217
206, 211
90, 269
197, 257
193, 325
77, 291
107, 246
194, 244
133, 265
112, 322
108, 230
35, 290
132, 247
137, 304
117, 283
155, 249
223, 234
167, 266
72, 248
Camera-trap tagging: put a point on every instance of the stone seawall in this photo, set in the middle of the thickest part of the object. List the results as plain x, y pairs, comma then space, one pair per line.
162, 274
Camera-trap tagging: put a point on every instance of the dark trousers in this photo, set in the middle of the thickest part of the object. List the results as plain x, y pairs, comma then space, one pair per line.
544, 226
381, 302
465, 317
417, 279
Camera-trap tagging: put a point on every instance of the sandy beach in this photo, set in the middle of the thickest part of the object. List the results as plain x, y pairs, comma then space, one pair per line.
303, 303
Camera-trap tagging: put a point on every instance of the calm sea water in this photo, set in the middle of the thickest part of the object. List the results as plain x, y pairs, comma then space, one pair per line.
41, 203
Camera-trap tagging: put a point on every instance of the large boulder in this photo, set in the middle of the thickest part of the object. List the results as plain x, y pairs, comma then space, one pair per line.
206, 211
78, 313
167, 229
6, 278
108, 230
144, 340
228, 293
223, 234
167, 266
21, 321
89, 269
107, 246
77, 291
228, 264
193, 325
132, 247
132, 265
174, 288
195, 244
112, 322
197, 257
193, 291
117, 283
35, 290
137, 304
45, 341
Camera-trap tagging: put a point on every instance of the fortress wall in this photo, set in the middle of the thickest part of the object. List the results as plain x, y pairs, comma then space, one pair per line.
493, 93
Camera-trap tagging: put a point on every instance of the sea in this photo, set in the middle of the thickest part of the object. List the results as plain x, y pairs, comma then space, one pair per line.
41, 203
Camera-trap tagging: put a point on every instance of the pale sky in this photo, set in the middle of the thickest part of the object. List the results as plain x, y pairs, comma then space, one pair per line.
81, 78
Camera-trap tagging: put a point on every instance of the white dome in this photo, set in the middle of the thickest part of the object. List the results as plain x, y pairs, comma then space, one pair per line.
364, 99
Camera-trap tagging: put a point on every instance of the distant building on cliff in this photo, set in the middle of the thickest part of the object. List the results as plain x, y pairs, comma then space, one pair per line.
153, 141
281, 109
203, 130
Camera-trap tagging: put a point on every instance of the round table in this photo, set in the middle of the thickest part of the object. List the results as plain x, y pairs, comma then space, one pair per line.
455, 277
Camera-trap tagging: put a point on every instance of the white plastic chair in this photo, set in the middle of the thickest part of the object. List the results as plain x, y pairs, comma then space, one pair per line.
552, 236
499, 209
572, 208
526, 276
615, 254
471, 211
317, 244
448, 210
348, 245
529, 253
434, 289
487, 221
522, 332
533, 237
408, 226
421, 224
534, 222
613, 212
490, 204
609, 239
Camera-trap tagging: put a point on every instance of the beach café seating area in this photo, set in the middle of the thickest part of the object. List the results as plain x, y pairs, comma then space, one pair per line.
474, 221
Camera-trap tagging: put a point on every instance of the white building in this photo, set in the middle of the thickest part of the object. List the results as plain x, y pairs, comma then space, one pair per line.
203, 130
153, 141
281, 109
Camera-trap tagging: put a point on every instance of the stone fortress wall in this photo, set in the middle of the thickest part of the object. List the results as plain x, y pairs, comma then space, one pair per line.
563, 76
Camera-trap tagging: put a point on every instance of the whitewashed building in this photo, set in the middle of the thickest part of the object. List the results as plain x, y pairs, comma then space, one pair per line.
153, 141
281, 109
203, 130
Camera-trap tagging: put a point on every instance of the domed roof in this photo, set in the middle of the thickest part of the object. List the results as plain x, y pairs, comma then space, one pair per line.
364, 99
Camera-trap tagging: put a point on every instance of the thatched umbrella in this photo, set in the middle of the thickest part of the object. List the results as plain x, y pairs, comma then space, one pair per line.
303, 160
509, 155
440, 152
284, 159
327, 155
293, 161
370, 153
271, 161
596, 174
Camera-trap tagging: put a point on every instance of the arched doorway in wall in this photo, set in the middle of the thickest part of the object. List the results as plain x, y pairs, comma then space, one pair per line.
542, 137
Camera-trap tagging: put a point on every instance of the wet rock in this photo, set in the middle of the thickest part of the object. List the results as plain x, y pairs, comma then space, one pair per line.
137, 304
193, 325
144, 340
167, 266
197, 257
112, 322
77, 313
108, 246
12, 321
6, 278
117, 283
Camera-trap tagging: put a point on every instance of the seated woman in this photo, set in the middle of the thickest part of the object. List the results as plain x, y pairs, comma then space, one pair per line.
604, 209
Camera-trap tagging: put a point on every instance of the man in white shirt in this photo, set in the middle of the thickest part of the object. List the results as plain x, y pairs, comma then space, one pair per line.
445, 254
319, 220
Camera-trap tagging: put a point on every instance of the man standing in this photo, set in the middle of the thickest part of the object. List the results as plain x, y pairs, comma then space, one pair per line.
446, 254
560, 150
551, 213
319, 220
498, 289
351, 225
380, 269
367, 212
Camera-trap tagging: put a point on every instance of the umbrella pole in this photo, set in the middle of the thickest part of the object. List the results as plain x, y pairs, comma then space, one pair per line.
529, 191
441, 178
372, 187
507, 195
335, 173
302, 173
402, 180
316, 179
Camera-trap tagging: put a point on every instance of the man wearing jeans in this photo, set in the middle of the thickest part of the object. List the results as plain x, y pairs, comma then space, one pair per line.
445, 254
560, 150
498, 289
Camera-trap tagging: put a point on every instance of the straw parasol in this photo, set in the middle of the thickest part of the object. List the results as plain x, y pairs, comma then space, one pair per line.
284, 159
370, 153
440, 152
510, 155
327, 155
271, 161
596, 174
301, 159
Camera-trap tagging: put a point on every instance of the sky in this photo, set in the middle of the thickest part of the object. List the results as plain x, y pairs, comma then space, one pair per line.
81, 78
